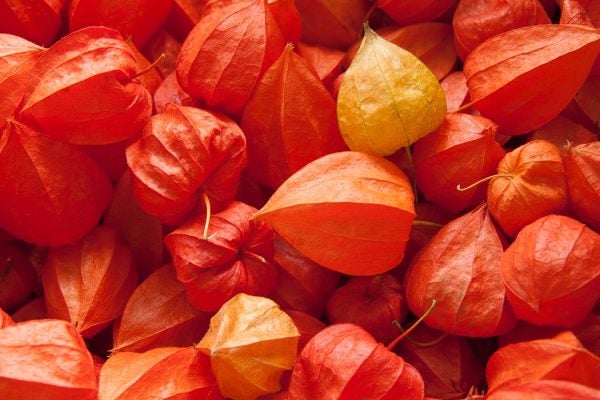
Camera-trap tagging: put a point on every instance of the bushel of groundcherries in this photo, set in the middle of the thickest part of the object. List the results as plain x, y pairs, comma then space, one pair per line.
299, 199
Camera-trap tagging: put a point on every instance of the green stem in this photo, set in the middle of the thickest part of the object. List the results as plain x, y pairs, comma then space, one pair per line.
421, 344
413, 326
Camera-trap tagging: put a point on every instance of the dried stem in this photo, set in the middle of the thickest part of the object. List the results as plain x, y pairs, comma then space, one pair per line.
461, 108
149, 67
413, 326
256, 256
208, 210
421, 344
489, 178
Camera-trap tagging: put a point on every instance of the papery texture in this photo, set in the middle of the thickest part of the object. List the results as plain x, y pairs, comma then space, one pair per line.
289, 121
326, 62
52, 194
308, 326
459, 268
250, 342
430, 42
547, 389
162, 42
35, 20
332, 23
530, 185
141, 232
372, 303
45, 360
348, 211
149, 76
17, 57
234, 257
388, 98
462, 150
562, 253
456, 90
450, 367
183, 153
162, 373
288, 19
344, 362
582, 166
302, 284
475, 21
169, 91
90, 282
246, 39
561, 357
136, 18
523, 78
158, 315
184, 15
84, 91
562, 132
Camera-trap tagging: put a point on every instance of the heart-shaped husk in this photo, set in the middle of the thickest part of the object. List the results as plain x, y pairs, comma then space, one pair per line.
349, 211
45, 360
562, 253
85, 92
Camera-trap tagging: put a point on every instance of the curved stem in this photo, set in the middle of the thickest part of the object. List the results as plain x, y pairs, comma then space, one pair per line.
421, 344
489, 178
413, 326
149, 67
417, 222
256, 256
208, 210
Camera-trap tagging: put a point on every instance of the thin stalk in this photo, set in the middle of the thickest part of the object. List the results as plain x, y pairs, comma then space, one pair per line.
418, 343
413, 326
489, 178
256, 256
208, 212
461, 108
149, 67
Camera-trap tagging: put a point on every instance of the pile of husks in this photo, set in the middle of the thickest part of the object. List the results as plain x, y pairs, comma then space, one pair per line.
299, 200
